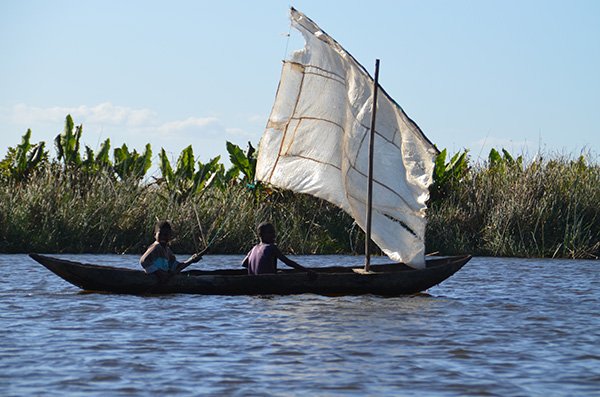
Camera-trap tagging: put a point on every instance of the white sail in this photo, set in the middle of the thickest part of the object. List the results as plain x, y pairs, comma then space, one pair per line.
316, 142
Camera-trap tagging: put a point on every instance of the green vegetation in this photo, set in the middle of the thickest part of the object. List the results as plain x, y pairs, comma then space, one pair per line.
94, 205
502, 207
547, 208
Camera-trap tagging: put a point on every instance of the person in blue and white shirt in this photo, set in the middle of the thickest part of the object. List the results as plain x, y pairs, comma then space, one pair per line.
159, 259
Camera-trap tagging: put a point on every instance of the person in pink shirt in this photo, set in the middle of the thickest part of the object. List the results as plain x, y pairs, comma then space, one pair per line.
262, 259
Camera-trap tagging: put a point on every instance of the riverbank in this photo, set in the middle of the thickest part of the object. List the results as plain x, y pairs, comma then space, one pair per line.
547, 208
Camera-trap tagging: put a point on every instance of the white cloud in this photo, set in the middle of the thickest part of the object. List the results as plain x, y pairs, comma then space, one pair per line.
239, 132
125, 125
104, 113
191, 122
257, 118
118, 119
126, 121
22, 114
195, 127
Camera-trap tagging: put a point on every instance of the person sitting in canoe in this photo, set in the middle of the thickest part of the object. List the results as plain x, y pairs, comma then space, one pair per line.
159, 259
262, 259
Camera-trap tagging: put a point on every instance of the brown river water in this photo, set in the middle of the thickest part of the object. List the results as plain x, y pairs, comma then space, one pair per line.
499, 327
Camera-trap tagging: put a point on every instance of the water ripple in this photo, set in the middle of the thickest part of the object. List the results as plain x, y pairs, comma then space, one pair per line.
498, 327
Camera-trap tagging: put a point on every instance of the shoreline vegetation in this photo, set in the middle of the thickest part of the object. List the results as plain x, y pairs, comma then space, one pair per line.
548, 207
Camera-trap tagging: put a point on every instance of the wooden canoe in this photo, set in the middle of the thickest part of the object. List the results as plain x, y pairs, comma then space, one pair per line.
385, 280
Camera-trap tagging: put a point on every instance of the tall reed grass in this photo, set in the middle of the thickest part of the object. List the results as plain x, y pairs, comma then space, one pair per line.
547, 208
56, 213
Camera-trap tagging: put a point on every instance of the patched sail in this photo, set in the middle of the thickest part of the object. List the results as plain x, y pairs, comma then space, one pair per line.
316, 142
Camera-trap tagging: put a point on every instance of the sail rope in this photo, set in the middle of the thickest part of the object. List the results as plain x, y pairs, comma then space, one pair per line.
287, 42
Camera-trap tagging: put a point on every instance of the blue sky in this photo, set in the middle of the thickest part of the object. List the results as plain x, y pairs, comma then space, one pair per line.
520, 75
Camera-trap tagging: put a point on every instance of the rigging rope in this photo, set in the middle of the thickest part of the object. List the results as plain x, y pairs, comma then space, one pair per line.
287, 42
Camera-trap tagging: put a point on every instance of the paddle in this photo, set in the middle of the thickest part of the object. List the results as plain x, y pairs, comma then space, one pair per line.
193, 259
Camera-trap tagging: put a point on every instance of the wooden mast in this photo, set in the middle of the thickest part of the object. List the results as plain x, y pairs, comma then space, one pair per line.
370, 174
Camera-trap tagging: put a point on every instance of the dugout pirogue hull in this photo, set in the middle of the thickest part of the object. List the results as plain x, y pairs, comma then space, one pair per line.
385, 280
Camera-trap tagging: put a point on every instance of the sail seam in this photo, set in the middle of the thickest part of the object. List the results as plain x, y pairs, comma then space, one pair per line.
319, 119
314, 160
342, 79
287, 124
